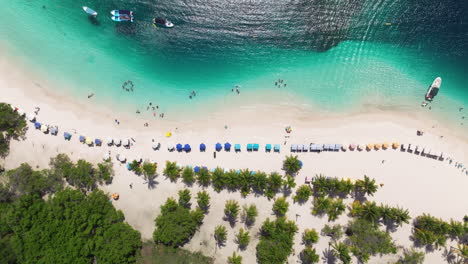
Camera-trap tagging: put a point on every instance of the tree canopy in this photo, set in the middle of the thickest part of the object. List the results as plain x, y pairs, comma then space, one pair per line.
12, 125
276, 241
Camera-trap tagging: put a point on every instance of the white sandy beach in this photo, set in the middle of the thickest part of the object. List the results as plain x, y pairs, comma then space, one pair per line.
420, 184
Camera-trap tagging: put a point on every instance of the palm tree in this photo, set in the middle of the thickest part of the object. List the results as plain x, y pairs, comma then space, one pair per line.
310, 237
259, 182
303, 193
334, 232
234, 259
366, 186
245, 181
149, 172
355, 209
321, 185
275, 182
336, 209
218, 179
203, 200
371, 212
280, 207
289, 183
321, 205
231, 210
171, 171
411, 256
292, 164
309, 256
204, 177
184, 198
249, 214
242, 238
220, 235
188, 176
341, 251
232, 180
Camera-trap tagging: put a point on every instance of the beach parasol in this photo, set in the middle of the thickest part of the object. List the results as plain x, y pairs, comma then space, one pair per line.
89, 141
110, 141
53, 131
168, 134
377, 146
369, 146
156, 146
179, 147
227, 146
352, 146
126, 143
115, 196
187, 148
170, 146
344, 147
31, 117
196, 169
82, 139
360, 147
106, 156
202, 147
44, 128
218, 146
98, 142
117, 142
395, 145
37, 125
67, 135
385, 145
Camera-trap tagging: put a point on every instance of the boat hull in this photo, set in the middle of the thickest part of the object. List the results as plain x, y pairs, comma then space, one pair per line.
433, 89
89, 11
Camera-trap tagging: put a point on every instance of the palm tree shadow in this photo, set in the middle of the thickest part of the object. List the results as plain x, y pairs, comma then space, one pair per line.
286, 192
152, 183
328, 256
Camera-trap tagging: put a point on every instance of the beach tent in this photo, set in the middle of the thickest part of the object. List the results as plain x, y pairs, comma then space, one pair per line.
249, 147
370, 146
256, 147
82, 139
268, 147
385, 145
106, 156
218, 146
237, 147
117, 142
179, 147
294, 147
44, 128
126, 143
67, 136
344, 147
98, 142
352, 146
31, 117
37, 125
196, 169
202, 147
395, 145
110, 141
227, 146
89, 141
168, 134
277, 148
359, 147
377, 146
187, 148
403, 147
53, 131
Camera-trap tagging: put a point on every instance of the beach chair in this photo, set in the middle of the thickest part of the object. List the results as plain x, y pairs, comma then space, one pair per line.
338, 147
268, 147
305, 148
276, 148
293, 148
256, 147
218, 146
403, 147
202, 147
237, 147
299, 147
320, 147
249, 147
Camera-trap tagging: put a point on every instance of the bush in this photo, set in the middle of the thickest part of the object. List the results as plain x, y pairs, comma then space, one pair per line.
334, 232
309, 256
249, 214
341, 251
188, 176
242, 238
234, 259
171, 171
280, 207
12, 125
302, 194
203, 200
292, 164
105, 173
310, 237
332, 207
220, 235
324, 186
276, 241
184, 198
411, 256
204, 177
231, 210
176, 224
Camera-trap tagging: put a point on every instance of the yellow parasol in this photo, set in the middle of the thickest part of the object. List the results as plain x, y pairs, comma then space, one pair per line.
377, 146
89, 141
168, 134
395, 145
370, 146
386, 145
115, 196
44, 128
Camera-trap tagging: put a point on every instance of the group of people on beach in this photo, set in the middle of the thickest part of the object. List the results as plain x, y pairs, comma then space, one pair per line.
279, 83
192, 94
237, 89
128, 86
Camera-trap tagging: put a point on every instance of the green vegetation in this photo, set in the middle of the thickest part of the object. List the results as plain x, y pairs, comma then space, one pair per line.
171, 171
218, 179
220, 235
12, 126
243, 238
309, 256
289, 183
341, 251
203, 200
292, 165
334, 232
149, 172
374, 213
411, 256
204, 177
234, 259
365, 239
259, 182
366, 186
249, 214
24, 180
281, 206
184, 198
245, 181
159, 254
276, 241
324, 186
332, 207
432, 231
302, 194
231, 211
176, 224
188, 176
310, 237
136, 167
275, 181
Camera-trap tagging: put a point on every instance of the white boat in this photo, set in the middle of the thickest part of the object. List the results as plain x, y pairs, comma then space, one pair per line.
433, 89
89, 11
162, 22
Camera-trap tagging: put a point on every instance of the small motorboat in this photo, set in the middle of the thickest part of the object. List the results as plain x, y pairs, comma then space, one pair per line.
433, 89
121, 12
122, 18
89, 11
162, 22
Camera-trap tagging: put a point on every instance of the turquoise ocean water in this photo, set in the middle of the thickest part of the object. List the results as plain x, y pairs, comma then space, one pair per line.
335, 55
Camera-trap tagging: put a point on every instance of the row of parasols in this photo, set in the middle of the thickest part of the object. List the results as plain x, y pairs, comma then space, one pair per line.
227, 147
337, 147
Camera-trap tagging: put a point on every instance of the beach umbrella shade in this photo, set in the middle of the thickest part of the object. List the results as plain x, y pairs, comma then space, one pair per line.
44, 128
37, 125
385, 145
344, 147
98, 142
202, 147
395, 145
352, 146
82, 139
256, 147
122, 158
168, 134
268, 147
126, 142
89, 141
359, 147
187, 148
110, 141
277, 147
218, 146
179, 147
377, 146
370, 146
227, 146
118, 142
31, 117
106, 156
196, 169
53, 131
170, 146
237, 147
249, 147
156, 146
67, 135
